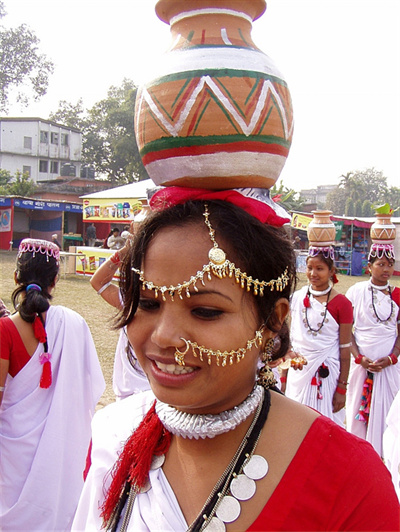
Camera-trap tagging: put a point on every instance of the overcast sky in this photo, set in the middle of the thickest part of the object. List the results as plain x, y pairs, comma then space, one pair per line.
341, 59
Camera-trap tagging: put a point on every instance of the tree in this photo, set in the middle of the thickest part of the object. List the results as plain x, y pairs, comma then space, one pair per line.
287, 198
108, 137
349, 208
367, 209
21, 185
360, 186
21, 64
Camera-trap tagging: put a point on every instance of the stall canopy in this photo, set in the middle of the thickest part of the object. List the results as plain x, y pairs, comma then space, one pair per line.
116, 204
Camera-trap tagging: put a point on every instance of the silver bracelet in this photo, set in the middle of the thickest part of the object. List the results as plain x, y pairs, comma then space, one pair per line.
346, 345
2, 388
104, 287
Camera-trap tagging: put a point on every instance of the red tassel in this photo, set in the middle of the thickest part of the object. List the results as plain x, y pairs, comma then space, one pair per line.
39, 330
149, 439
306, 302
46, 378
314, 381
335, 279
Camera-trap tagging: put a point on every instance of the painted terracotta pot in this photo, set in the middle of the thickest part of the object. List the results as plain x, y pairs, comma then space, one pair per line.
218, 113
321, 230
383, 231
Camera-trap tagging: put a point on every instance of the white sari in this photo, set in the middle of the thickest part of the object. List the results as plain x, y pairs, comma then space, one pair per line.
374, 340
45, 433
322, 348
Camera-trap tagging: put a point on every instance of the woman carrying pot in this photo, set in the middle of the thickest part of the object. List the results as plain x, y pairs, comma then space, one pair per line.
213, 445
321, 321
375, 372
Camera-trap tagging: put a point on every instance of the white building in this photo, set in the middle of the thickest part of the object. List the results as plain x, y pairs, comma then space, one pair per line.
317, 195
41, 148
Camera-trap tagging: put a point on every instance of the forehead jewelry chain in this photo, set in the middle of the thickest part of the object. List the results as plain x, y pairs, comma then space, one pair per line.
222, 358
220, 267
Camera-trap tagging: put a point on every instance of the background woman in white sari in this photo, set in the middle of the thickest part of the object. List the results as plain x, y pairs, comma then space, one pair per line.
50, 380
375, 375
321, 321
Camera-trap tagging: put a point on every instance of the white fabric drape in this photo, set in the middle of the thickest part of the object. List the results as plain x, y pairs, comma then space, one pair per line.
127, 379
45, 433
319, 349
374, 340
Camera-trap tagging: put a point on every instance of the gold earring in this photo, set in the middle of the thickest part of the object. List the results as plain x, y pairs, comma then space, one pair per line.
266, 377
179, 355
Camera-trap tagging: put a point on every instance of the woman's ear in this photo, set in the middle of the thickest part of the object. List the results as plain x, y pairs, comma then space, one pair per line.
281, 310
16, 277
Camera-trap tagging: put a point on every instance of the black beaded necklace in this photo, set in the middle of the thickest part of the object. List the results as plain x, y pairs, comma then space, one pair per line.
374, 308
315, 331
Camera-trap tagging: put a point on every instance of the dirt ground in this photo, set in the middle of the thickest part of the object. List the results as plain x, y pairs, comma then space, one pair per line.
75, 292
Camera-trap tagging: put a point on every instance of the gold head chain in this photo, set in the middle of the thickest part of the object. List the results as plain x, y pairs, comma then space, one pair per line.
220, 267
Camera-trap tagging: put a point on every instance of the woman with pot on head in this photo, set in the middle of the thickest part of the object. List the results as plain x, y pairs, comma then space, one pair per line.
128, 376
375, 372
321, 321
50, 380
205, 297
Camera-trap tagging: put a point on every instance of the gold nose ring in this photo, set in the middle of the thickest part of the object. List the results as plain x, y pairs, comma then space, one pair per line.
179, 355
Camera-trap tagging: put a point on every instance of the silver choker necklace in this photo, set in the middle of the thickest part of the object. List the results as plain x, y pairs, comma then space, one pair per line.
317, 293
377, 287
207, 425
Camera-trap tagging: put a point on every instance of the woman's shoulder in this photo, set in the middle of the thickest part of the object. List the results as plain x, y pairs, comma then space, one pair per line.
121, 417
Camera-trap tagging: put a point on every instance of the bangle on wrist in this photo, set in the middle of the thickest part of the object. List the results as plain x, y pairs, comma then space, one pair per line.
104, 287
115, 258
283, 379
345, 345
341, 391
358, 359
2, 388
393, 358
343, 383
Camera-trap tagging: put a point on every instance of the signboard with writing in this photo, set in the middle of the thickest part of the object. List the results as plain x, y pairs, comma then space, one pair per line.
111, 210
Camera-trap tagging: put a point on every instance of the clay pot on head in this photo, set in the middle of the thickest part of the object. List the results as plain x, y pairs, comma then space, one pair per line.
218, 113
383, 230
321, 230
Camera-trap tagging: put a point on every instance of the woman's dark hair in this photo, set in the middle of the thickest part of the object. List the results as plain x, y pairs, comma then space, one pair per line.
262, 251
33, 268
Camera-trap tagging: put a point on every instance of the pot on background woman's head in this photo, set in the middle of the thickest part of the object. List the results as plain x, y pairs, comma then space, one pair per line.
321, 230
218, 114
383, 230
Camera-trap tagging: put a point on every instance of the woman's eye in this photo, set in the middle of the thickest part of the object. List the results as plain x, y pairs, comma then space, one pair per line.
148, 304
207, 313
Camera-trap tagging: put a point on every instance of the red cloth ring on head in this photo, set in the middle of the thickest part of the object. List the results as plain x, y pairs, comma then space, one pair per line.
170, 196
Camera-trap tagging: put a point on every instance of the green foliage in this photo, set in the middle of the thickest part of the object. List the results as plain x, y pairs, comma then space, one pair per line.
21, 64
108, 137
367, 209
287, 198
21, 185
368, 185
358, 208
5, 178
349, 207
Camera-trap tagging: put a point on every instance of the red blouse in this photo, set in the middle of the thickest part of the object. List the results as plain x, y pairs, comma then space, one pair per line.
12, 347
325, 488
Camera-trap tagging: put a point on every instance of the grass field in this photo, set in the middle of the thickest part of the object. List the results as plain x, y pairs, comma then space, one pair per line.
75, 292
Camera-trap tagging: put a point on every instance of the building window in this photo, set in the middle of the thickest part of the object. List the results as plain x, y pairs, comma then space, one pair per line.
54, 167
26, 170
44, 137
28, 143
54, 138
64, 139
43, 166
